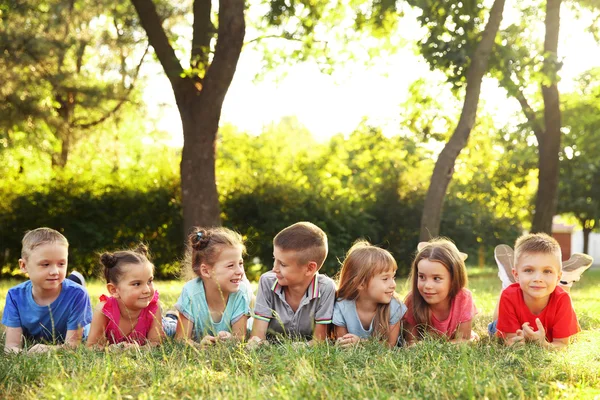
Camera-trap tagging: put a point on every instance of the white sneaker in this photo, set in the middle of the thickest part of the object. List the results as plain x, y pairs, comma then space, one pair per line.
573, 268
505, 258
76, 277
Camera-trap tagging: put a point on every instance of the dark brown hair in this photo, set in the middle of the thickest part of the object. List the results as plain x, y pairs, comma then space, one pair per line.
204, 246
305, 238
113, 262
445, 252
38, 237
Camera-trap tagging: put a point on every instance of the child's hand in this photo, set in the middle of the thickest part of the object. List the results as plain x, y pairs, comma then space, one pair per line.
535, 336
223, 335
208, 340
40, 348
254, 342
348, 340
518, 339
124, 345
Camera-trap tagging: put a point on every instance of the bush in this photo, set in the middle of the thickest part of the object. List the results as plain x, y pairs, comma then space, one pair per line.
115, 219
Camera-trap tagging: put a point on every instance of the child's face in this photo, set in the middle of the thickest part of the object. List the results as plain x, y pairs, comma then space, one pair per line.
288, 270
228, 271
433, 281
537, 274
381, 288
46, 266
136, 286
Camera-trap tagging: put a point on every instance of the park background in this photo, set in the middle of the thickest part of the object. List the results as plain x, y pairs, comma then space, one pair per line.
392, 121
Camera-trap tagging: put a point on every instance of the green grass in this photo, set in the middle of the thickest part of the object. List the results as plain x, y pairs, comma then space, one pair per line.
431, 369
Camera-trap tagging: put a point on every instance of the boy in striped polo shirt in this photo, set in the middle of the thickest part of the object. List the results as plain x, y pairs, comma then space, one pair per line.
293, 299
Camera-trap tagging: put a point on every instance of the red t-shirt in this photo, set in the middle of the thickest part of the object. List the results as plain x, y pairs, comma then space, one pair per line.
558, 317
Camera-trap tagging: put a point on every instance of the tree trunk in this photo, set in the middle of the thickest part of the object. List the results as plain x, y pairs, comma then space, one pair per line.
199, 99
549, 142
586, 240
64, 130
444, 166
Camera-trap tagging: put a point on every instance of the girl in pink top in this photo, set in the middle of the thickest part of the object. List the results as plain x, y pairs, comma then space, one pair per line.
131, 315
439, 302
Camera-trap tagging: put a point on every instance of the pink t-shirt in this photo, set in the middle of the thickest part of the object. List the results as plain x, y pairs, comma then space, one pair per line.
141, 329
462, 309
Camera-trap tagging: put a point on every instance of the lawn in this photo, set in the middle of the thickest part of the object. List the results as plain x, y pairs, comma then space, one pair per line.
432, 369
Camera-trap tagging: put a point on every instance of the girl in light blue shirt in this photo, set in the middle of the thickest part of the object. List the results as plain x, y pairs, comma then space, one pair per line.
367, 304
215, 305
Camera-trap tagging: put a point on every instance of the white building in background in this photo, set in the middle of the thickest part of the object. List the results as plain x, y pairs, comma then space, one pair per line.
594, 244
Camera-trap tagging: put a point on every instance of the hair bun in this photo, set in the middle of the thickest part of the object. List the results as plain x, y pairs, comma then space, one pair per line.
108, 260
199, 238
142, 249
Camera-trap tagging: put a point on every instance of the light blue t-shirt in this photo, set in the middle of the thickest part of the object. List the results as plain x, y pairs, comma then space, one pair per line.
70, 311
192, 304
345, 314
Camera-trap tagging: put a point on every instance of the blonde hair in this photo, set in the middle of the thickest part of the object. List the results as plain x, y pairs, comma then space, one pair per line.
38, 237
445, 252
305, 238
364, 261
204, 246
537, 243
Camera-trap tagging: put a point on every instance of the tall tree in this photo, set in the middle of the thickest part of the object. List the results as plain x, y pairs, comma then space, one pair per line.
517, 69
444, 166
549, 139
199, 94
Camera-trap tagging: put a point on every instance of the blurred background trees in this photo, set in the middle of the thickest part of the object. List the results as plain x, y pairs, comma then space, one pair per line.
81, 152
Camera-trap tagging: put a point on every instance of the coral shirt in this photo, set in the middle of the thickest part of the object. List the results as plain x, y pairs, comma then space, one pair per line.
462, 309
558, 317
140, 331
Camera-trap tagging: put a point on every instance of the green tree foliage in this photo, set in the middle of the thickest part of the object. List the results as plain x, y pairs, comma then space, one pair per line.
580, 158
367, 185
67, 66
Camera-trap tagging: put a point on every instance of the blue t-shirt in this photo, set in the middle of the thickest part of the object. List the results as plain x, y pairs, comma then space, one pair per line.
70, 311
345, 314
192, 304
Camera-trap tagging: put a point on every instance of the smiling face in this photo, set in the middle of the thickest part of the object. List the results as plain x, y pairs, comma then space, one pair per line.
537, 274
381, 287
287, 268
46, 265
433, 281
135, 288
228, 271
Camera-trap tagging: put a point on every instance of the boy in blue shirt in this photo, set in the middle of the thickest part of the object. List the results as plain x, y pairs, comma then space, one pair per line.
47, 309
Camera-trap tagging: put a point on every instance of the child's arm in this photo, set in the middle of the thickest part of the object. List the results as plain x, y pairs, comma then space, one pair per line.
320, 333
411, 333
539, 336
156, 334
393, 334
259, 330
463, 333
13, 340
324, 310
96, 337
345, 339
238, 329
73, 338
184, 328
